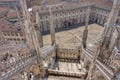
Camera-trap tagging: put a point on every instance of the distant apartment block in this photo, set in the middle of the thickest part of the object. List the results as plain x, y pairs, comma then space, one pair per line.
9, 3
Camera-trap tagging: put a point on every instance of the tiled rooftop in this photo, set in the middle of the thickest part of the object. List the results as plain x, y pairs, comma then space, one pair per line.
12, 14
6, 26
4, 9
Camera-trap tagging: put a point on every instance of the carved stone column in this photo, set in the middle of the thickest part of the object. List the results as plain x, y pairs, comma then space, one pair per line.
85, 32
85, 62
38, 30
52, 28
32, 37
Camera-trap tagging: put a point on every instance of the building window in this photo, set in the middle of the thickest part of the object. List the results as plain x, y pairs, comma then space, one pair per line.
47, 27
18, 39
14, 39
12, 33
16, 34
60, 14
41, 23
4, 34
22, 39
65, 13
8, 33
43, 28
21, 34
41, 17
10, 39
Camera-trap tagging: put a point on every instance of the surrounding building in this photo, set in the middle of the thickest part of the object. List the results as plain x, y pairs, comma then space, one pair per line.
65, 15
23, 55
3, 11
9, 3
31, 3
35, 2
11, 33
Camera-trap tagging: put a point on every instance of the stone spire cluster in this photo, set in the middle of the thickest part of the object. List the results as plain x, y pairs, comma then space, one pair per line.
104, 47
32, 36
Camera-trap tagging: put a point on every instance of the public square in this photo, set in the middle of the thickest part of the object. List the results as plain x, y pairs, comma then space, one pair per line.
69, 38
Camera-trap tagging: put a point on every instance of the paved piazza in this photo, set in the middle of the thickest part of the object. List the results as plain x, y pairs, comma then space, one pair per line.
67, 39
